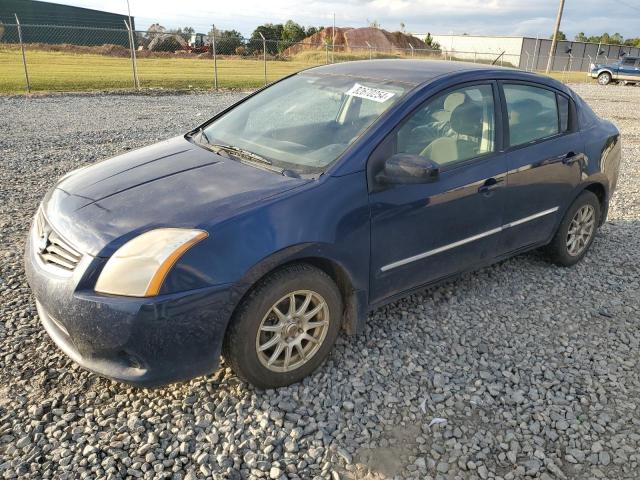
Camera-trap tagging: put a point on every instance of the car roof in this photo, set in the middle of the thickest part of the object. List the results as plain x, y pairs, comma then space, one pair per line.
413, 72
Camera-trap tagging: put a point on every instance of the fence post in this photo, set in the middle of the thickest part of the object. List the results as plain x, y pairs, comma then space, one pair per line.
536, 51
369, 45
264, 56
412, 52
24, 57
475, 56
136, 83
215, 56
326, 49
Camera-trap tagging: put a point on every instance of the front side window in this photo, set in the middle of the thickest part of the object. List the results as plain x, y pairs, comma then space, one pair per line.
629, 62
453, 127
533, 113
305, 122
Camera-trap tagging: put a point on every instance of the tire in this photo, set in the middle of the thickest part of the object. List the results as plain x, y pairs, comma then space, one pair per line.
247, 348
604, 78
562, 251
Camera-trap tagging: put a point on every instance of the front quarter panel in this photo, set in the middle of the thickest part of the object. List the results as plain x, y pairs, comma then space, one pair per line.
327, 219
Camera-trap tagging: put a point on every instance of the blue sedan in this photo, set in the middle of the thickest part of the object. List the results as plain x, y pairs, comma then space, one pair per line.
286, 218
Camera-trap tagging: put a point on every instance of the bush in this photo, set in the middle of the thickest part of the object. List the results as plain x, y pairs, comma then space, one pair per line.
242, 51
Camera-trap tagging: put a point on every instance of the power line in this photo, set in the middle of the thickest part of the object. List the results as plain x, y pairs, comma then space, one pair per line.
622, 2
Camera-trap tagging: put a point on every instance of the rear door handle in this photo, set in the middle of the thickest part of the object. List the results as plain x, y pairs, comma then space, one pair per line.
489, 186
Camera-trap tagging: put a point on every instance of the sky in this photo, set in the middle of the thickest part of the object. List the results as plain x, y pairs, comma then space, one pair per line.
479, 17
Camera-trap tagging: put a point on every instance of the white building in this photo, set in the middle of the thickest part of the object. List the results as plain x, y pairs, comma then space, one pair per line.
528, 53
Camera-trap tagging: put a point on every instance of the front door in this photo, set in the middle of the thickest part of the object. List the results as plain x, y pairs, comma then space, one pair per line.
421, 233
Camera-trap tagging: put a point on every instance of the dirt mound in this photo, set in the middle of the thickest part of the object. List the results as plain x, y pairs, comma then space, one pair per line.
356, 39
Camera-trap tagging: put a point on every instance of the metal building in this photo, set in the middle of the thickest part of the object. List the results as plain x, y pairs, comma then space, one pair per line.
46, 22
530, 53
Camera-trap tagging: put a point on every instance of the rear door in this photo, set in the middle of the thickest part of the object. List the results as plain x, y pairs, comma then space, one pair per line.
545, 155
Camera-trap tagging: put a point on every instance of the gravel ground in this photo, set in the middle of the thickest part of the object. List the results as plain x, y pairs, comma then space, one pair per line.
533, 367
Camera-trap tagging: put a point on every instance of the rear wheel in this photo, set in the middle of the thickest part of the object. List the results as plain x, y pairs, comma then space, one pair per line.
576, 231
604, 78
285, 327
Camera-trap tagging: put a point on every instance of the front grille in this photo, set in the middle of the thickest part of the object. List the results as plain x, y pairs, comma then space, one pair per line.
51, 247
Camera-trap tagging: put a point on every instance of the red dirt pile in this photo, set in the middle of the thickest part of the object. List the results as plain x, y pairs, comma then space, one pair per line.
355, 39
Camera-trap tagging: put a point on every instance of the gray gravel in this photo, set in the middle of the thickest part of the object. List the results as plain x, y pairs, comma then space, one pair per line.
533, 367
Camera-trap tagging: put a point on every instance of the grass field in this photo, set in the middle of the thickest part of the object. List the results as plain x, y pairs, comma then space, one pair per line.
63, 71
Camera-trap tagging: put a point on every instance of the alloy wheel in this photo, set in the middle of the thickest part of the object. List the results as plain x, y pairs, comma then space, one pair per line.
292, 331
581, 230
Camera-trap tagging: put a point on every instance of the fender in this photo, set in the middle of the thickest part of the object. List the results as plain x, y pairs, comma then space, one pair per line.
320, 255
609, 71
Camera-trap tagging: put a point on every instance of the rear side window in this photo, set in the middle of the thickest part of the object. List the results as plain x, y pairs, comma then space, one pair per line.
533, 113
629, 62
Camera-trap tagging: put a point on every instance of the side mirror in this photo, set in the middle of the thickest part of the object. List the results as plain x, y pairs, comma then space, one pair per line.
408, 168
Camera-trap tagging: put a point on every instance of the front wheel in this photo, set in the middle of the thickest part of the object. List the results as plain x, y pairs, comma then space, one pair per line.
604, 78
576, 231
285, 327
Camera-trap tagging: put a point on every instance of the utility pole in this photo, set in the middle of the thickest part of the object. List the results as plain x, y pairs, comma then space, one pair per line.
555, 36
132, 46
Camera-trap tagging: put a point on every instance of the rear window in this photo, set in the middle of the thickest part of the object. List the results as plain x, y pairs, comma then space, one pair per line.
533, 113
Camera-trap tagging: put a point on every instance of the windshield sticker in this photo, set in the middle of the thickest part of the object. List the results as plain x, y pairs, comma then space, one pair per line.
368, 93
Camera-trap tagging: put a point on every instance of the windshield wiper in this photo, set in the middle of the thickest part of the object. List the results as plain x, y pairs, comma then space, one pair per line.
249, 158
239, 152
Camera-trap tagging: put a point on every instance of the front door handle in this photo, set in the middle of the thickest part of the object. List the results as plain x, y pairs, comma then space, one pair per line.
489, 186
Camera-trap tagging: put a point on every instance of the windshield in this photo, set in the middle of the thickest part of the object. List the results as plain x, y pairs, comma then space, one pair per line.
305, 122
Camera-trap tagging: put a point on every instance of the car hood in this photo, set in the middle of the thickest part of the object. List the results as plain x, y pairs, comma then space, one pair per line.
172, 183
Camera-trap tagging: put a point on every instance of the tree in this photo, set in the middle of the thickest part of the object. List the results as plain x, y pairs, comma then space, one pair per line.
431, 43
312, 31
561, 35
272, 33
373, 23
228, 41
402, 27
616, 39
581, 37
632, 42
292, 32
185, 32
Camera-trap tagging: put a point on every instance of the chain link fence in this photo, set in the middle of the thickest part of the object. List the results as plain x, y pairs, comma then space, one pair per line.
70, 58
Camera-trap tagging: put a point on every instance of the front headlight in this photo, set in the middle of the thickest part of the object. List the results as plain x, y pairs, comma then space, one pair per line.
139, 267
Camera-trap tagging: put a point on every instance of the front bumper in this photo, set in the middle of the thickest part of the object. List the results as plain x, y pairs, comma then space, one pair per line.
141, 341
